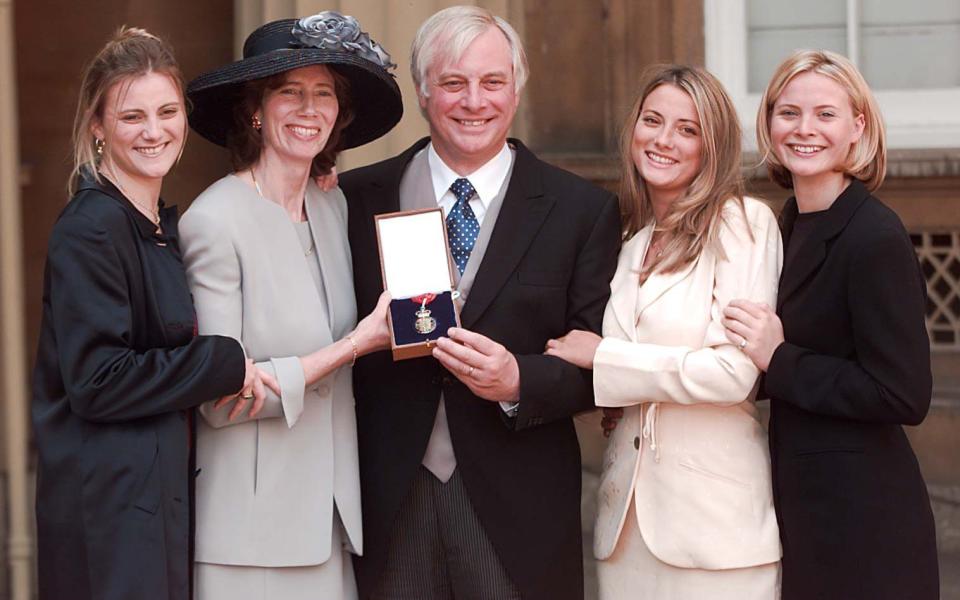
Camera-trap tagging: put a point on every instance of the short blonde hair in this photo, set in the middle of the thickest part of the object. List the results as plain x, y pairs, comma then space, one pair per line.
868, 157
693, 222
444, 37
130, 53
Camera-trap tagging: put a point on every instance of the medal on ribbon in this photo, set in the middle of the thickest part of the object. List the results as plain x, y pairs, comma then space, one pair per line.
425, 323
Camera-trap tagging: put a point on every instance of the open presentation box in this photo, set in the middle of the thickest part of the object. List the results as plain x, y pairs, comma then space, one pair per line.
418, 273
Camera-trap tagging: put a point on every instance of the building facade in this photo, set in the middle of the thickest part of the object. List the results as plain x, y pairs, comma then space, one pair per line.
585, 58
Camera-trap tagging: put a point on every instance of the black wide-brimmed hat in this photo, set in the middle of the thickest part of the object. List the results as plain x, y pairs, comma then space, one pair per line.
327, 38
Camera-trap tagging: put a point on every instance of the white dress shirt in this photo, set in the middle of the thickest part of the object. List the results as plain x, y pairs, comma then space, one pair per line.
487, 181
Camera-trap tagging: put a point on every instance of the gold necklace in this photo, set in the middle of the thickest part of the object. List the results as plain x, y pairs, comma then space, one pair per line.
657, 245
151, 213
256, 184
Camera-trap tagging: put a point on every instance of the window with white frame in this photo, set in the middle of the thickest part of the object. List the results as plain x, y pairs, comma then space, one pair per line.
909, 52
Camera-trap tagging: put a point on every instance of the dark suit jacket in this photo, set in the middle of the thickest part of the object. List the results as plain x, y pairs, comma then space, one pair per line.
117, 367
854, 515
546, 270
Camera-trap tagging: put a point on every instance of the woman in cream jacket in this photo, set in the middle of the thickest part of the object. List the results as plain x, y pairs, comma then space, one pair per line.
685, 508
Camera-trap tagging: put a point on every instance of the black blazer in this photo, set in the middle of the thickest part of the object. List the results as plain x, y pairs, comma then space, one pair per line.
546, 270
118, 366
854, 516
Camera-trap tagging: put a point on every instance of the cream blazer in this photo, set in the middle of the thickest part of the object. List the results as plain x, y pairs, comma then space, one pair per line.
267, 487
703, 495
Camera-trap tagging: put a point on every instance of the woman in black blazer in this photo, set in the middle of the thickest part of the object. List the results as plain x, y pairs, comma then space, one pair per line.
850, 363
119, 367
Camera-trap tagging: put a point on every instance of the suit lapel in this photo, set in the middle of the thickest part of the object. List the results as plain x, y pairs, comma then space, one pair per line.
382, 193
144, 225
379, 194
657, 285
626, 283
328, 245
524, 209
814, 249
629, 299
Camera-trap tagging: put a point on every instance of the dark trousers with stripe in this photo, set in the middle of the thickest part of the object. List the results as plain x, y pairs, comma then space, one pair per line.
438, 549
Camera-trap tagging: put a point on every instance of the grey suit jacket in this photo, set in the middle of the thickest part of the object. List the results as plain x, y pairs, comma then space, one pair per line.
267, 487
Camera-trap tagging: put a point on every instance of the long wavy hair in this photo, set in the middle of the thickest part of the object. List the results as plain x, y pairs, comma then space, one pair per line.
693, 220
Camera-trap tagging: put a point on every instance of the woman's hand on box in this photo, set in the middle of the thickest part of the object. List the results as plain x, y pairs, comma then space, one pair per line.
373, 332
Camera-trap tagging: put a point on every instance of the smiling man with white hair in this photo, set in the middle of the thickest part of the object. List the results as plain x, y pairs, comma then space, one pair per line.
469, 463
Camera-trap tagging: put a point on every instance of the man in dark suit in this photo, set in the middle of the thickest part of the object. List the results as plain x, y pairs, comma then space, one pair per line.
469, 462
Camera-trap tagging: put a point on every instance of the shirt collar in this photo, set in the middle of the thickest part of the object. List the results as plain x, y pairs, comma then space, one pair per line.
487, 180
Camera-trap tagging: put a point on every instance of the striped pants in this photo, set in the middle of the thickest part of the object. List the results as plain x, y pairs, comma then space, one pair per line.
438, 549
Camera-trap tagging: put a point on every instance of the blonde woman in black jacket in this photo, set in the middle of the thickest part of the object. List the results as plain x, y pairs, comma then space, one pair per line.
846, 354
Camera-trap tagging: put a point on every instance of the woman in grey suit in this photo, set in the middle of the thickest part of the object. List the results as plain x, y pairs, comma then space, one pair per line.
268, 264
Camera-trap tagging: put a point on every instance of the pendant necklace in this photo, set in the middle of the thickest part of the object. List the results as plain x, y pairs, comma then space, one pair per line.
152, 214
256, 184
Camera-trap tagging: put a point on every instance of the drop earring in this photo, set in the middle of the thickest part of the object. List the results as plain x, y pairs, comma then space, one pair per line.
255, 121
98, 146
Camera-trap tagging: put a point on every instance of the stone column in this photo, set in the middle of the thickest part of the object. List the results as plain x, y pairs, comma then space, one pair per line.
12, 316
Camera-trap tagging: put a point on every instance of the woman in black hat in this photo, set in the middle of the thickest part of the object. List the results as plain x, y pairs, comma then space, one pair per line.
269, 264
119, 365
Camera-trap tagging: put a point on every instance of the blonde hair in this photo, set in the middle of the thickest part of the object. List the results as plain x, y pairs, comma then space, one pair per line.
867, 160
444, 37
694, 218
131, 52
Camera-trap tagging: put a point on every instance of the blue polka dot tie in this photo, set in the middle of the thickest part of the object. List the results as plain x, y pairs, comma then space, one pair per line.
462, 224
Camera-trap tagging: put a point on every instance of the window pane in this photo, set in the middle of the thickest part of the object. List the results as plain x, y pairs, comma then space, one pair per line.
778, 27
911, 45
884, 12
773, 14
